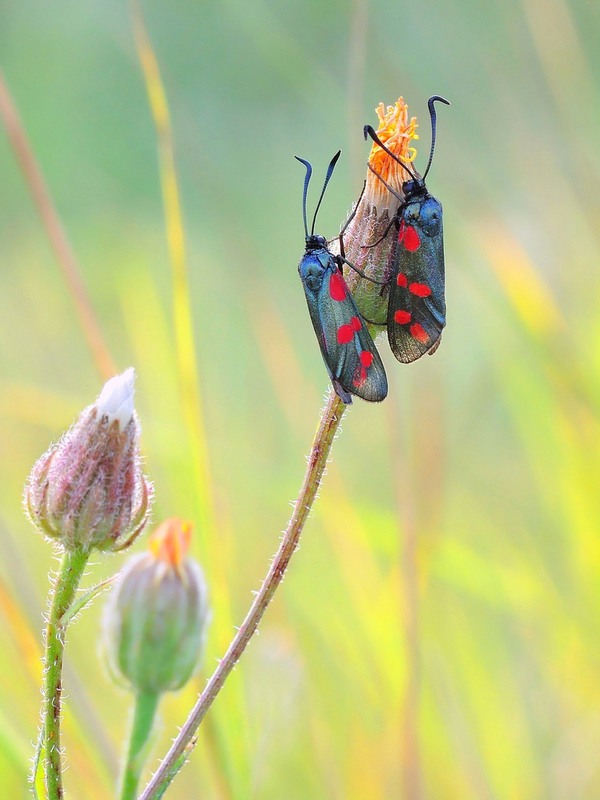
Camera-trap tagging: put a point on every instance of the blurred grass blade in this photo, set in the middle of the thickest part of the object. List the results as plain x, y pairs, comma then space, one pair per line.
36, 777
184, 331
28, 647
55, 231
521, 281
213, 554
12, 745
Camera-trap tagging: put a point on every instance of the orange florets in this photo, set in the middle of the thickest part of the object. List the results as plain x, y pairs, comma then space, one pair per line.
396, 132
171, 541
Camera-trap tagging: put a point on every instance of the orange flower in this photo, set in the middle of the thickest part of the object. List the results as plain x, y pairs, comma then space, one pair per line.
170, 542
396, 132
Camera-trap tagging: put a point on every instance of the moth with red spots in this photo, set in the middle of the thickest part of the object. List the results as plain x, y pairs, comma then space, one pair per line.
349, 353
417, 307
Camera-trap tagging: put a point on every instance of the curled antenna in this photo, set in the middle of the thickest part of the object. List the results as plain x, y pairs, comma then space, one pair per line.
368, 130
306, 182
430, 105
328, 175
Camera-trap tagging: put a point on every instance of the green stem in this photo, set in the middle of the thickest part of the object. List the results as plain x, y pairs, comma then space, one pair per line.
146, 704
63, 594
186, 739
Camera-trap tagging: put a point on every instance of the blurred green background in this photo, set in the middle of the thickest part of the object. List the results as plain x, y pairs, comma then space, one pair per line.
438, 634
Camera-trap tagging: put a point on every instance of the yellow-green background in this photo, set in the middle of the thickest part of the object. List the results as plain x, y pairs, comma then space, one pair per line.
438, 634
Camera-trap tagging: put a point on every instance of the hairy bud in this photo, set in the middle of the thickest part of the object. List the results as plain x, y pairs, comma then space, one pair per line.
157, 614
88, 490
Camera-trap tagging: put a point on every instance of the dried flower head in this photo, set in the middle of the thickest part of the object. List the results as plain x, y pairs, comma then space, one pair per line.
88, 490
156, 616
369, 239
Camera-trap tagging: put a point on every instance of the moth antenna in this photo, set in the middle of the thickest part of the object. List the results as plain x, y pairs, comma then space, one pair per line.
398, 197
368, 130
305, 192
430, 105
328, 175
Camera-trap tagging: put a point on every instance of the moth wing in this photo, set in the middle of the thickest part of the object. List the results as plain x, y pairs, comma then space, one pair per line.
347, 346
417, 306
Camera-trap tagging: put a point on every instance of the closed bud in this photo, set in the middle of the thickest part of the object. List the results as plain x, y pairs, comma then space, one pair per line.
157, 614
88, 490
370, 236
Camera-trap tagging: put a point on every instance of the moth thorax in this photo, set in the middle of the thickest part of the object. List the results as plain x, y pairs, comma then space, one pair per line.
315, 242
413, 188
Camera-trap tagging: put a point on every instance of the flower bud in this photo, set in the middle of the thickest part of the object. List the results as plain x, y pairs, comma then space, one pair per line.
88, 490
157, 614
370, 236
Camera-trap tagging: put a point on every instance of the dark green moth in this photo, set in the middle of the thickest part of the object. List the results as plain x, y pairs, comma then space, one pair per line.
349, 353
416, 313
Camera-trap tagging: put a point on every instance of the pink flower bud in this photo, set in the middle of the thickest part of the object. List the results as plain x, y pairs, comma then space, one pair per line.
88, 490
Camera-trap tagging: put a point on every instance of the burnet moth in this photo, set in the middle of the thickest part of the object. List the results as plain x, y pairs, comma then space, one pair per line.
352, 362
416, 312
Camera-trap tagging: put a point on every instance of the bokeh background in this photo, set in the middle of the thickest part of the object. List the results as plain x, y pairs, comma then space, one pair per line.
438, 634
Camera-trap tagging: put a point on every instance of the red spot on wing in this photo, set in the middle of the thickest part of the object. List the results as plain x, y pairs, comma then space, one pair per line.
402, 280
345, 334
401, 231
360, 376
411, 239
418, 332
337, 286
360, 373
420, 289
402, 317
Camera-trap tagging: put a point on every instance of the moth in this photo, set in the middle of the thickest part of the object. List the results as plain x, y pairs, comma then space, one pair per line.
351, 358
416, 313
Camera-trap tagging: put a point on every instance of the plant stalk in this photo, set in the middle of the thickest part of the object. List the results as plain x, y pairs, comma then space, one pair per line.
186, 739
72, 565
146, 704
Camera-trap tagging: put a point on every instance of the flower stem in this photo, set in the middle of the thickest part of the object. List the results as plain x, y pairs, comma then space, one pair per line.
146, 704
63, 594
317, 461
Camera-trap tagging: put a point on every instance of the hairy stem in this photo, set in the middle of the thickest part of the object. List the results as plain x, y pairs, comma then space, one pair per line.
184, 742
63, 594
146, 704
